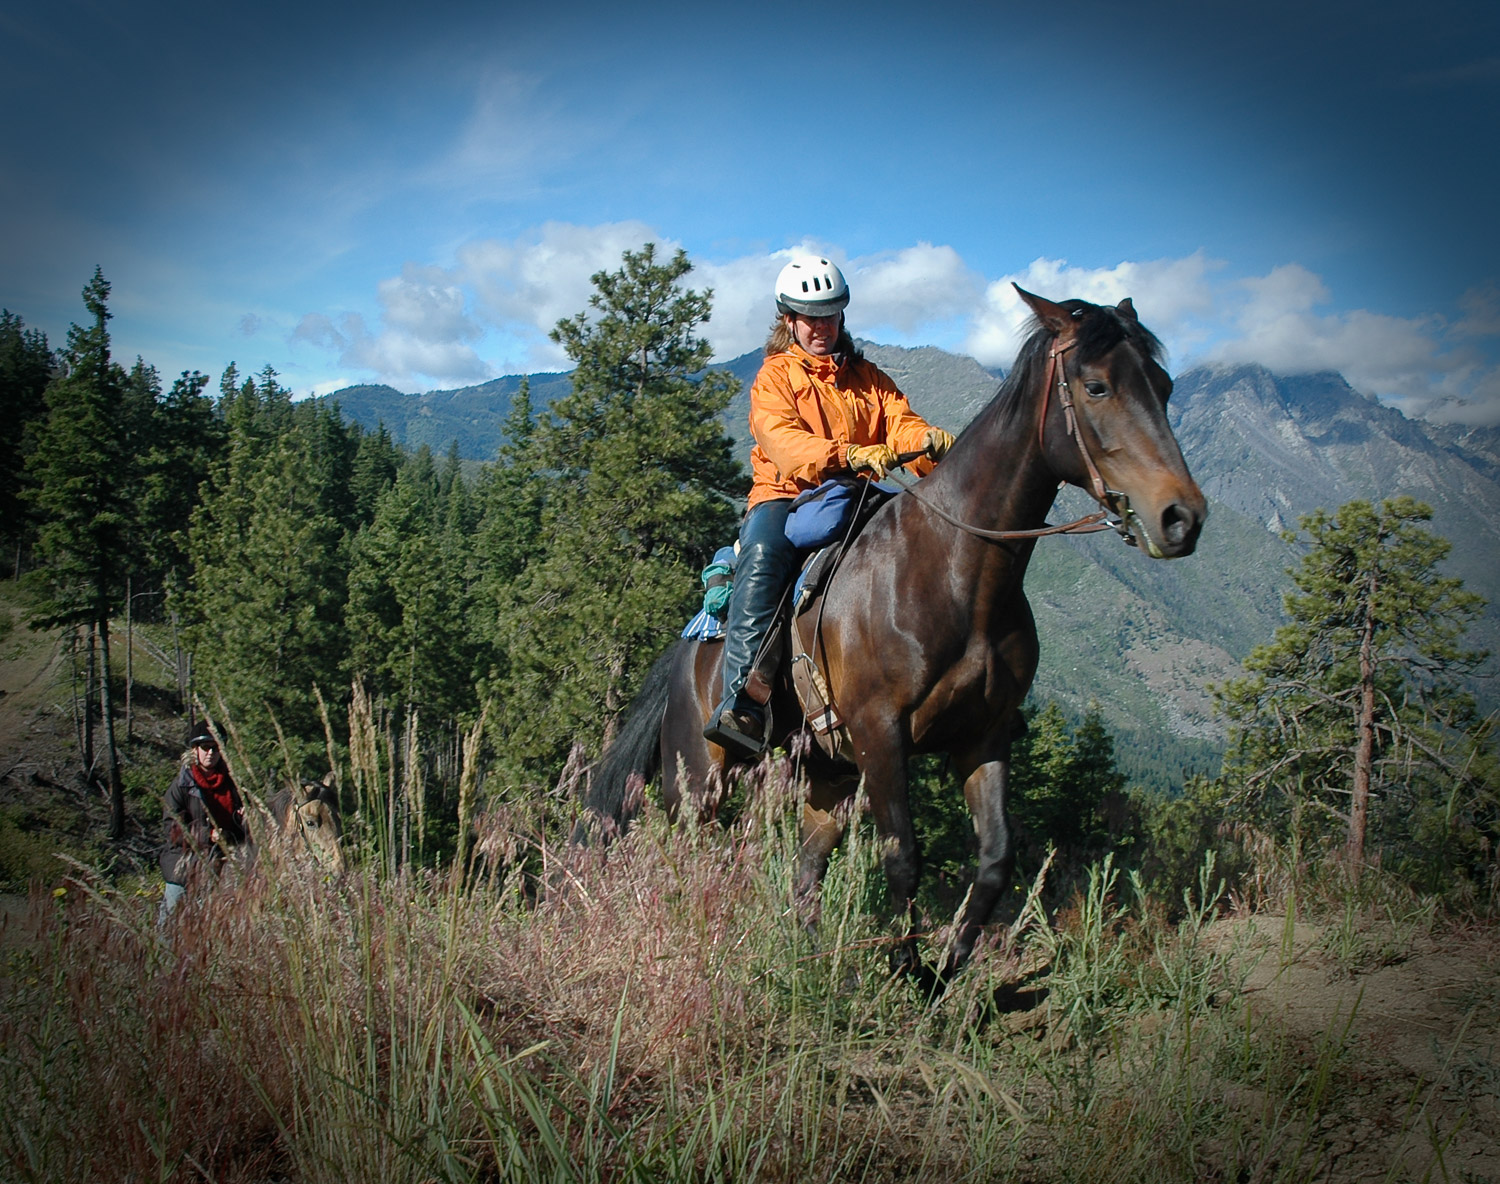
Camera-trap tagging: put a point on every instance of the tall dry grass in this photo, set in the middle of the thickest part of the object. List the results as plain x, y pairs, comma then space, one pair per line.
652, 1010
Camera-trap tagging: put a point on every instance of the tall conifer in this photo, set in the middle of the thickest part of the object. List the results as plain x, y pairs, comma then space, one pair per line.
83, 471
640, 484
26, 364
1354, 703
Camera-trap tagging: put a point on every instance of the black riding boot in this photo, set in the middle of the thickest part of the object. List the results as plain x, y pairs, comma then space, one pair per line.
766, 561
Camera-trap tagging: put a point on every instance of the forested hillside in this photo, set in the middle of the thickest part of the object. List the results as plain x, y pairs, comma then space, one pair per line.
288, 552
298, 568
1142, 640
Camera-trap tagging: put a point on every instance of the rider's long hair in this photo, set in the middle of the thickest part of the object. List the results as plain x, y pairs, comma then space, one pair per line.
780, 339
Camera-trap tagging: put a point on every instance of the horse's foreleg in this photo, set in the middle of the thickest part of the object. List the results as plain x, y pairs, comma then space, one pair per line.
886, 789
986, 789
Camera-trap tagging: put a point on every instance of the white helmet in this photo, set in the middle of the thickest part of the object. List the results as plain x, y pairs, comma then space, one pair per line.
812, 286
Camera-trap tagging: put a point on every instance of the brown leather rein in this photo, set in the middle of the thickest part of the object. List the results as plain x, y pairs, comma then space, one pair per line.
1111, 516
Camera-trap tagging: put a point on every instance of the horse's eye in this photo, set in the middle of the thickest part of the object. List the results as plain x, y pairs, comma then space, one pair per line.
1097, 389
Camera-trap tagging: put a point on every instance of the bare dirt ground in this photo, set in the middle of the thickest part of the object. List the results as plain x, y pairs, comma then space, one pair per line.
43, 790
40, 776
1415, 1093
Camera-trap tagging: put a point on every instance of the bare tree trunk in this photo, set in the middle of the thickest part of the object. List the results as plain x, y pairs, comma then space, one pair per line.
73, 699
1364, 747
129, 658
179, 659
88, 707
107, 712
612, 704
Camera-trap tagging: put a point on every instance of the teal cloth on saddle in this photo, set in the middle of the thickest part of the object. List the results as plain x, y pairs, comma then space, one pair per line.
718, 583
716, 596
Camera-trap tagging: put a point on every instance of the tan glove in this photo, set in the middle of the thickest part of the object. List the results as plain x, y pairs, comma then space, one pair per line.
879, 459
937, 443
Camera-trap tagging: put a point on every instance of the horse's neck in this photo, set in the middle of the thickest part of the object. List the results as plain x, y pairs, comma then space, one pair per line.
999, 480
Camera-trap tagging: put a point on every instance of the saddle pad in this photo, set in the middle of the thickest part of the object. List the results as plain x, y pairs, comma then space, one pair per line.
813, 576
705, 627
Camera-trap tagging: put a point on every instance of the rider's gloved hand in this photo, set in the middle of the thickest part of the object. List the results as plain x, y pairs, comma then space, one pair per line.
937, 442
878, 459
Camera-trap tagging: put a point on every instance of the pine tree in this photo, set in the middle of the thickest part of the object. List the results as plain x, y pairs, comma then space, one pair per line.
509, 497
639, 492
1062, 777
376, 462
1357, 696
408, 603
265, 606
26, 364
187, 439
83, 470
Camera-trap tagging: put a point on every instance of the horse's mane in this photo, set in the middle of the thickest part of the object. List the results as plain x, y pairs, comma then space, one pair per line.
1098, 330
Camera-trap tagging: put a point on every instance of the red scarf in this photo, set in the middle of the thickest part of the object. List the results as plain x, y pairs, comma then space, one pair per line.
209, 781
218, 791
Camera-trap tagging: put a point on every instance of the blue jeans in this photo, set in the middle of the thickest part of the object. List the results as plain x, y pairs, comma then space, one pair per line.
767, 561
170, 899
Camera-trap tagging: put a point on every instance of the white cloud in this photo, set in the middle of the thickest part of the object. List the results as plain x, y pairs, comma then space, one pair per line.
909, 291
426, 304
1172, 296
425, 331
913, 287
743, 304
526, 285
1421, 364
1481, 312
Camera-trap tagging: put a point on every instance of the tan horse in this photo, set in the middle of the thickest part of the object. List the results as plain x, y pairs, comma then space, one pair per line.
306, 817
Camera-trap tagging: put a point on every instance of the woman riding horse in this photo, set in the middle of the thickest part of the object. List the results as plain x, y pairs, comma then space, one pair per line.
817, 407
924, 637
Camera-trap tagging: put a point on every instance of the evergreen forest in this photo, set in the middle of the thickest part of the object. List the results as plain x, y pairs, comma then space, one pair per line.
470, 998
301, 569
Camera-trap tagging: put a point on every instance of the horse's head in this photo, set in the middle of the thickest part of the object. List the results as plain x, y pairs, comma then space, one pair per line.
316, 818
1105, 421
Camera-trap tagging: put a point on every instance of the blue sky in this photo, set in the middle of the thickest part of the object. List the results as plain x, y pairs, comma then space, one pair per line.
356, 193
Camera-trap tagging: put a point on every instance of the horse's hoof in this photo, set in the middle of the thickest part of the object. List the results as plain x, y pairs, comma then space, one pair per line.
907, 963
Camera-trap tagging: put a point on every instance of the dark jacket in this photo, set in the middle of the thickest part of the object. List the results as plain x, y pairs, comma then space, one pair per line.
187, 823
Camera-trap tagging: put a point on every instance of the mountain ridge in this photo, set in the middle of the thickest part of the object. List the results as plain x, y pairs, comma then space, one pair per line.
1141, 640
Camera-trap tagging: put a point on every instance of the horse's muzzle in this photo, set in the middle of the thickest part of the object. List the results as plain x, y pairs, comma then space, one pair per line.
1175, 532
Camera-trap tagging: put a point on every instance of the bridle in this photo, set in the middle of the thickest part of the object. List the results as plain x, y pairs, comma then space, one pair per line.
1114, 513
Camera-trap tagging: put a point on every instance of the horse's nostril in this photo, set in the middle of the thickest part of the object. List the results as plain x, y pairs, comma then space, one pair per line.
1176, 524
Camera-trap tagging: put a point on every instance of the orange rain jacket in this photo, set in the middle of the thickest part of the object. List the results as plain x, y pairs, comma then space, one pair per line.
805, 412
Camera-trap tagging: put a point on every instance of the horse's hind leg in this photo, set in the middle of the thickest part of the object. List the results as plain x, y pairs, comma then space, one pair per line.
821, 832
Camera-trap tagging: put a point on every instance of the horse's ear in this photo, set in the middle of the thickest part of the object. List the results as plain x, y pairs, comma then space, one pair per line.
1054, 317
1127, 310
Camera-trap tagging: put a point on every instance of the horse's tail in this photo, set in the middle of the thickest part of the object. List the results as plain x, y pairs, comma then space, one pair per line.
615, 783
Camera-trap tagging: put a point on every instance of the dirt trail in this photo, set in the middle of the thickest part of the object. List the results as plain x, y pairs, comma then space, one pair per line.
43, 793
34, 692
1422, 1060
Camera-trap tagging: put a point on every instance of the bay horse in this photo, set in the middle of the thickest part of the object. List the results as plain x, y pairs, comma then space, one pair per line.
924, 632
